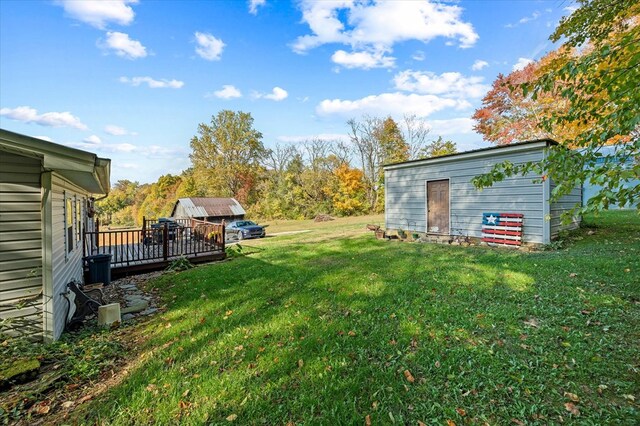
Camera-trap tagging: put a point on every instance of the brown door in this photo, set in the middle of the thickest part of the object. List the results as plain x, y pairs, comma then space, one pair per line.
438, 206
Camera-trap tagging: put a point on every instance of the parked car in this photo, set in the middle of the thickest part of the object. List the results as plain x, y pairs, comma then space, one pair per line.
154, 236
243, 229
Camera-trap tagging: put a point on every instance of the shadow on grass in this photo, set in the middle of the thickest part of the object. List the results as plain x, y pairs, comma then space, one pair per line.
323, 334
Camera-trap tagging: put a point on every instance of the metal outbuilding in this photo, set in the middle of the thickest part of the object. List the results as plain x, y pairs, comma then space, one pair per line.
435, 196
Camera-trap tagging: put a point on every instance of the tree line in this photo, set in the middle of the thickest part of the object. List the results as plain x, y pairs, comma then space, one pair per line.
289, 181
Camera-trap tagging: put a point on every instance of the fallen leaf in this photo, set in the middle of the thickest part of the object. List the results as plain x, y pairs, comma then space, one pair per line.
232, 417
437, 364
352, 333
629, 397
517, 422
571, 407
451, 423
573, 275
84, 399
42, 408
421, 423
409, 376
461, 411
532, 322
185, 393
228, 313
300, 363
572, 396
67, 404
393, 342
202, 320
602, 388
367, 420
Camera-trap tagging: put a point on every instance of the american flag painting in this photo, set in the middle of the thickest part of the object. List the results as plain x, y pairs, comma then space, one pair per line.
502, 228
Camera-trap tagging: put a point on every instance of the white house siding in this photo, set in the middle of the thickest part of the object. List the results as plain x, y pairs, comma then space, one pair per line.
405, 192
565, 203
65, 266
20, 243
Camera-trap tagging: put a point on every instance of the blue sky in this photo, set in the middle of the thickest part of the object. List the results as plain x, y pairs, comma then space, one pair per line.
131, 80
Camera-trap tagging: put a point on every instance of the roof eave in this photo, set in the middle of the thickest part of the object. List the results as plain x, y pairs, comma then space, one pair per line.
519, 146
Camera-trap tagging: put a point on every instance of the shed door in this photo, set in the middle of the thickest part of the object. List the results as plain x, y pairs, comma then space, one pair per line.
438, 206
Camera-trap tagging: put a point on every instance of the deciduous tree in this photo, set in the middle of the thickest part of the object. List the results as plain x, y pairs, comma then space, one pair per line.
227, 154
599, 67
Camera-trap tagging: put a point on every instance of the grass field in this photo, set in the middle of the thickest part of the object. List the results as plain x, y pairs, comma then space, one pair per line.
335, 327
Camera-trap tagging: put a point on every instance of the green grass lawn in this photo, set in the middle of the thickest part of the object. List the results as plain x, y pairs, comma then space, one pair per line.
332, 326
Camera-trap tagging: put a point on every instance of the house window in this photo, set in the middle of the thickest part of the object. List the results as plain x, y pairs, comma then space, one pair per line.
68, 213
78, 219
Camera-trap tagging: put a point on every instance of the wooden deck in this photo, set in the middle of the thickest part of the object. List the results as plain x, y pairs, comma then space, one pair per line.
146, 249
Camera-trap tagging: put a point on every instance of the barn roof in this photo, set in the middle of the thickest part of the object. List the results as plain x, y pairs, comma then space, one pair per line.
207, 207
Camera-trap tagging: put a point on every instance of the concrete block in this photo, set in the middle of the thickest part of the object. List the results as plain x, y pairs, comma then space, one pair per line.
108, 314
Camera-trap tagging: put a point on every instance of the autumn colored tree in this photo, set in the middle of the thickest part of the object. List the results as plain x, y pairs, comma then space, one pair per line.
599, 69
439, 147
349, 197
117, 207
227, 155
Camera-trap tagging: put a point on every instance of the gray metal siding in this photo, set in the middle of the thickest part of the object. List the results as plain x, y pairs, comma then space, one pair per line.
20, 243
406, 194
565, 203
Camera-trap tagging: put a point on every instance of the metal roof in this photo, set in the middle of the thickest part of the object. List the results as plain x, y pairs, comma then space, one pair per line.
207, 207
488, 151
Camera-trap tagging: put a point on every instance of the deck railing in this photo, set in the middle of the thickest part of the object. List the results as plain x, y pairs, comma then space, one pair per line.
161, 242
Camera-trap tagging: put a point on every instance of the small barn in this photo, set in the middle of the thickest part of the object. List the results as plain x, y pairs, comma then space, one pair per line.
208, 209
435, 196
46, 203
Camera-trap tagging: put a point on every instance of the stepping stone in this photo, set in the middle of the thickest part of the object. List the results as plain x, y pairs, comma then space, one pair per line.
138, 307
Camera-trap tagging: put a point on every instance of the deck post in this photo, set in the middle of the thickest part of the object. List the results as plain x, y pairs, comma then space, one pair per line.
223, 237
97, 235
144, 228
165, 240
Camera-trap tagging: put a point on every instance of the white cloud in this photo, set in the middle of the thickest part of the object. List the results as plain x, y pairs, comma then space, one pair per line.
322, 136
99, 13
452, 126
479, 64
375, 27
254, 5
364, 60
93, 140
521, 64
418, 56
123, 46
394, 104
277, 94
153, 83
209, 47
535, 15
448, 84
228, 91
50, 119
115, 130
